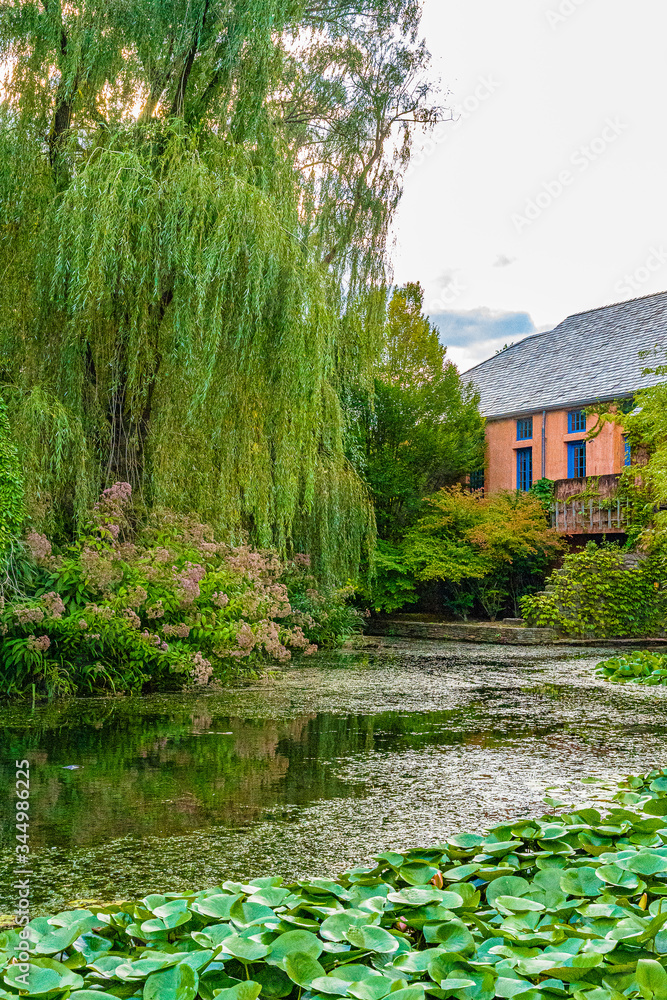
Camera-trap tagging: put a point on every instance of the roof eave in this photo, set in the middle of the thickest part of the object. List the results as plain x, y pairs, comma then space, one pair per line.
567, 405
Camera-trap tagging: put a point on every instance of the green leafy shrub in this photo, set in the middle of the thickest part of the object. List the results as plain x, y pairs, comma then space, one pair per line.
424, 429
158, 608
544, 908
596, 595
393, 584
639, 667
543, 489
488, 550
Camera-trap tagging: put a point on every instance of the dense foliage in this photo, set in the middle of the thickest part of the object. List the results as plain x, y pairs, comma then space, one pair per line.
595, 594
12, 504
644, 422
424, 430
548, 908
418, 431
194, 206
159, 608
638, 667
485, 551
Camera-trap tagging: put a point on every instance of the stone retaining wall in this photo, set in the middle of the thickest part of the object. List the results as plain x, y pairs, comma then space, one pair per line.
504, 634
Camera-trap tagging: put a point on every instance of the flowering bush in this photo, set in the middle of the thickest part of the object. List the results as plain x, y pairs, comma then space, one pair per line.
159, 608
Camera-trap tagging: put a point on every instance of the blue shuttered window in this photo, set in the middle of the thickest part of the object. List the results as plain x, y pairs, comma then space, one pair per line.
524, 469
576, 421
576, 460
524, 429
627, 460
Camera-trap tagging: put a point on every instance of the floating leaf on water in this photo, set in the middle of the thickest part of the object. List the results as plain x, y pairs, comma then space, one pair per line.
212, 935
416, 896
449, 986
302, 968
177, 983
293, 942
452, 937
417, 874
647, 863
414, 992
466, 841
373, 988
392, 858
334, 928
45, 975
581, 882
506, 885
89, 995
617, 876
270, 896
460, 872
510, 987
372, 938
651, 979
517, 904
218, 906
500, 848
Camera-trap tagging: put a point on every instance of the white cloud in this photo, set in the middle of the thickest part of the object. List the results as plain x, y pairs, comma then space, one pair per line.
473, 336
458, 203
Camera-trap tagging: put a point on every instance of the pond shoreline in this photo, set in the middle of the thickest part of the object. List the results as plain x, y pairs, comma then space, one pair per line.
495, 634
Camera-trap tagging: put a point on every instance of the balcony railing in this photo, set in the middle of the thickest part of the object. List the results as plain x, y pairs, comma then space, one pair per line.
590, 517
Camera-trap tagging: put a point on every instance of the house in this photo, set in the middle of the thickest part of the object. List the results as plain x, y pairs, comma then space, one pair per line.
534, 395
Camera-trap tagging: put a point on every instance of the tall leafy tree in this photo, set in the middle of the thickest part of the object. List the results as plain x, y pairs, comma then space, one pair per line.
194, 204
425, 430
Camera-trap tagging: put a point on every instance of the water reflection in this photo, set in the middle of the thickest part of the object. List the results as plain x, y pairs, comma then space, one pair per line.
295, 777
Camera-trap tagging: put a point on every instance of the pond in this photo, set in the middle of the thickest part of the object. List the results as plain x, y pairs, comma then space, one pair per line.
315, 769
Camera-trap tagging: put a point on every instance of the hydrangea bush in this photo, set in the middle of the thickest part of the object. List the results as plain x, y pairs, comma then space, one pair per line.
158, 608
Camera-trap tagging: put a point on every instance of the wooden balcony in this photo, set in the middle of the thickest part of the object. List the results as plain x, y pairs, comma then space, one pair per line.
590, 517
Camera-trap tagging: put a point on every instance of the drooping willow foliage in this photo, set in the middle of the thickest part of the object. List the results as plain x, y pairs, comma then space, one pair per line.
195, 197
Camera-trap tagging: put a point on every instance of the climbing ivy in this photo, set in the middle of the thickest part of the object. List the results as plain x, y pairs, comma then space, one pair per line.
596, 594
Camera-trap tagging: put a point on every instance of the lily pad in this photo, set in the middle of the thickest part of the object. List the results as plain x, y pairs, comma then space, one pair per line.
177, 983
302, 968
372, 938
293, 942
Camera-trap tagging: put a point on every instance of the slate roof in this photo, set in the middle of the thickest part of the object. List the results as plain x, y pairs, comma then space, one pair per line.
589, 357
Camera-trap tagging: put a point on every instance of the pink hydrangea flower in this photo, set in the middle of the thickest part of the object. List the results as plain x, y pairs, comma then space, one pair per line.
29, 616
39, 545
54, 604
39, 645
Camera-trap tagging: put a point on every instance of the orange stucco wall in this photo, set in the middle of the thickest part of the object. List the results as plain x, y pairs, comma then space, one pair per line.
605, 454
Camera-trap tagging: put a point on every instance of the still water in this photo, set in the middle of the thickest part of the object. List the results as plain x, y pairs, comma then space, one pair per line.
315, 769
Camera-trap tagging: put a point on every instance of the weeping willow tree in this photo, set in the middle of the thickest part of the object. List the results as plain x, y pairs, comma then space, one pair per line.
195, 198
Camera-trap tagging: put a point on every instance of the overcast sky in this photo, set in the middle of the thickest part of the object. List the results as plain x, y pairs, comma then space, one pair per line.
548, 196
